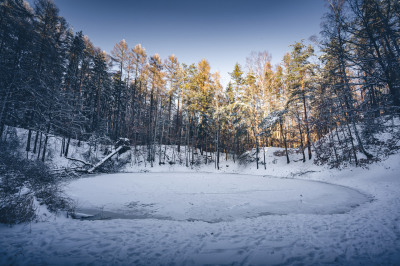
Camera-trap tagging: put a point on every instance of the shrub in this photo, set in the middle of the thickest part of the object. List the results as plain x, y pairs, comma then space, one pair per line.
23, 180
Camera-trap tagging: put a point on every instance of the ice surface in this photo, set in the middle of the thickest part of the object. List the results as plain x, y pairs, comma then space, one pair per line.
209, 197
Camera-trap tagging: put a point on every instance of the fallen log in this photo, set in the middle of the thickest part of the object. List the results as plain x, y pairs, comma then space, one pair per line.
91, 170
85, 163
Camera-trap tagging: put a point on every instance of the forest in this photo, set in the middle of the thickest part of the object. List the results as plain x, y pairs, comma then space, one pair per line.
56, 82
122, 157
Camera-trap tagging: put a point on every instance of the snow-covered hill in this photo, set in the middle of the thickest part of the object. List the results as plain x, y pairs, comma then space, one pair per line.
368, 234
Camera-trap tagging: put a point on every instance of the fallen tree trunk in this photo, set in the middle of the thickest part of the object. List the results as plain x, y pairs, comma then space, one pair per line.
91, 170
85, 163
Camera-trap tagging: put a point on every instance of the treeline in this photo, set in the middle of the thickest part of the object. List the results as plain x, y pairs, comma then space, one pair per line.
55, 81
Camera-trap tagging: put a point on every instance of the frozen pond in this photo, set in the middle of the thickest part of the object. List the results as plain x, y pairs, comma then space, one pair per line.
207, 197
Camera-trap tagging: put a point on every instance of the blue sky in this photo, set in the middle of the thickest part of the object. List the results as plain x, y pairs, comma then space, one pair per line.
222, 31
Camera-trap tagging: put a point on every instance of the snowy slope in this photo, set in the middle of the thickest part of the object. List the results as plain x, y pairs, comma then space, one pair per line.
368, 234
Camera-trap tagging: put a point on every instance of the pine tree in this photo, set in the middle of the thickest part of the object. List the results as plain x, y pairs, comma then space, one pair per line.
300, 77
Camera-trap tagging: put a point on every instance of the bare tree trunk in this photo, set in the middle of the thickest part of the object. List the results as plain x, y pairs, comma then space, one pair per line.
179, 124
256, 149
284, 141
194, 139
218, 142
4, 111
67, 148
62, 146
28, 144
308, 131
206, 151
36, 140
333, 143
265, 163
352, 144
40, 145
45, 142
161, 139
187, 141
301, 143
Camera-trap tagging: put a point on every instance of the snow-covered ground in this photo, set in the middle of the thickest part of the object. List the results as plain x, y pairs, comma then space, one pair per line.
368, 234
170, 214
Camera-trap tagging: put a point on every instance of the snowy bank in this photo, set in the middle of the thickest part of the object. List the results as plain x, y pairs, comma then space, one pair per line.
368, 234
